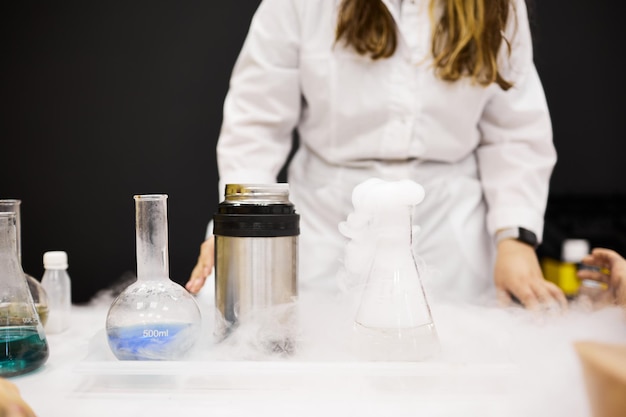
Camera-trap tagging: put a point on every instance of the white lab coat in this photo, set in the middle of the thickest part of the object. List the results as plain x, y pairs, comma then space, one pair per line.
483, 155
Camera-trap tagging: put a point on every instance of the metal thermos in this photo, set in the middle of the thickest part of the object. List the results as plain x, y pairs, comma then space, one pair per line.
256, 232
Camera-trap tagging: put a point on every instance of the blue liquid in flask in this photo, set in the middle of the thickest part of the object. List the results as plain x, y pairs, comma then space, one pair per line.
162, 341
23, 349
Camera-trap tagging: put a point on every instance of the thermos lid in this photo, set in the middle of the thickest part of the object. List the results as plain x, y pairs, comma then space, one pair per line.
256, 210
257, 193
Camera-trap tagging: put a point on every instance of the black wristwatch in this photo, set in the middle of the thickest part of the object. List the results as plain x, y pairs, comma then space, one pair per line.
518, 233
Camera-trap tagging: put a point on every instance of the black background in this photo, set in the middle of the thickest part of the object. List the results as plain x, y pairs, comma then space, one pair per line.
105, 100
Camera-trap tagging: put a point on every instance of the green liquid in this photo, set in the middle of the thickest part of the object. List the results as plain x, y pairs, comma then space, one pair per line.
21, 350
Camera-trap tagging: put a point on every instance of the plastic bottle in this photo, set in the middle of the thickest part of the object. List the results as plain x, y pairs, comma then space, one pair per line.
562, 272
56, 281
574, 250
23, 344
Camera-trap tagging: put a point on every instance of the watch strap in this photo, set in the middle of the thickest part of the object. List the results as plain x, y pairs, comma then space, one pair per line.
518, 233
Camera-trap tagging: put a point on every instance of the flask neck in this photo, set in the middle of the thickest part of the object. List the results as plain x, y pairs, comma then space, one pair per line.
12, 205
393, 229
11, 273
8, 241
151, 237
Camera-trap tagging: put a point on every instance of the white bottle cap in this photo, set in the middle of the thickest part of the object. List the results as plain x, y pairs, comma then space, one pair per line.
55, 260
574, 250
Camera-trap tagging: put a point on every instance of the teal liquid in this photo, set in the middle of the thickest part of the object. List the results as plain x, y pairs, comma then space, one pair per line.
22, 350
155, 341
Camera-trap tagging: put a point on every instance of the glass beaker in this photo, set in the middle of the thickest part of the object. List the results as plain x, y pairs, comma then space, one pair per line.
40, 297
393, 320
23, 344
154, 318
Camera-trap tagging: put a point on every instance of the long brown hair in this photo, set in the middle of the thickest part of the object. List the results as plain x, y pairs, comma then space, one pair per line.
466, 37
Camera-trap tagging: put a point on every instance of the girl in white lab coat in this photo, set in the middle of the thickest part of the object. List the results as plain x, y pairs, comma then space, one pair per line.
442, 92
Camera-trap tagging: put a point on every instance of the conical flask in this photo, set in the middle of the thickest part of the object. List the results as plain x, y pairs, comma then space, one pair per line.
40, 297
393, 321
23, 344
154, 318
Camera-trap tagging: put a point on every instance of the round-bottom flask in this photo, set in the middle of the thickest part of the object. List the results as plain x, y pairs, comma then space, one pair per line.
40, 297
154, 318
23, 344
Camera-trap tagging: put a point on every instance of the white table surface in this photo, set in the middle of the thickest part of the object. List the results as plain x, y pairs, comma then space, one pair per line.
494, 362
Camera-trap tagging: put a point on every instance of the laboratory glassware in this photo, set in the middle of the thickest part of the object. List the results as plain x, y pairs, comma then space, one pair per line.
153, 318
256, 232
23, 343
40, 297
58, 286
393, 321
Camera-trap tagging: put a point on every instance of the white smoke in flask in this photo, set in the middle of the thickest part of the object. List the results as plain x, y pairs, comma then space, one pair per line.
392, 319
369, 199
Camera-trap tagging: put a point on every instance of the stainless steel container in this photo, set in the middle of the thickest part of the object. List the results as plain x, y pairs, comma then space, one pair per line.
256, 232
